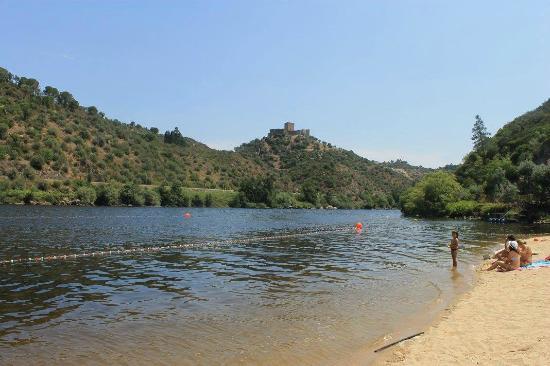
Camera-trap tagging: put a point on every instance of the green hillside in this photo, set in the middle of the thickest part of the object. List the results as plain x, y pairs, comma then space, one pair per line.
46, 134
509, 172
342, 178
52, 150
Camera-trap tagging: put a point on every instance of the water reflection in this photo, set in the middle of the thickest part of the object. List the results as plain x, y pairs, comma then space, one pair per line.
304, 299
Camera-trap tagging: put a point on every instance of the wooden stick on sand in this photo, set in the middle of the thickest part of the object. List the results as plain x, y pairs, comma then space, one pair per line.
394, 343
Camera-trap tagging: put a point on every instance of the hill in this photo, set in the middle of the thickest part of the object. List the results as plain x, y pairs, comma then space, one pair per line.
343, 178
509, 172
55, 151
48, 135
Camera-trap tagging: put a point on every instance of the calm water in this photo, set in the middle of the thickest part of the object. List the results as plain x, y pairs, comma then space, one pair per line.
311, 299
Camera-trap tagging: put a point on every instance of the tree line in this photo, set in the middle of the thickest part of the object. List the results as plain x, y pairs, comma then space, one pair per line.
508, 173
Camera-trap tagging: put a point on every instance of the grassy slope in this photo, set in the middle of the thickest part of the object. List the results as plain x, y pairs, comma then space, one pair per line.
336, 172
507, 173
80, 145
44, 140
526, 138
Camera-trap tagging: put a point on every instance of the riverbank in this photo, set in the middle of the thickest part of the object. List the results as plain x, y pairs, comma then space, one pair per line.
502, 320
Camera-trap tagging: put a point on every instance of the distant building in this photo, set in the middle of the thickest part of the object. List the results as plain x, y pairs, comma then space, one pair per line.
288, 130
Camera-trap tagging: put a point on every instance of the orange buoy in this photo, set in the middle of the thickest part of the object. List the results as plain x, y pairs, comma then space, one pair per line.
187, 215
359, 226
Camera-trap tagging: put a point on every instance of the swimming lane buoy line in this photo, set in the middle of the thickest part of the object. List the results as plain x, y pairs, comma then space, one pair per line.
139, 250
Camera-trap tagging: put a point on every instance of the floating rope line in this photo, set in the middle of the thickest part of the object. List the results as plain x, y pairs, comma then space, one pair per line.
83, 217
100, 253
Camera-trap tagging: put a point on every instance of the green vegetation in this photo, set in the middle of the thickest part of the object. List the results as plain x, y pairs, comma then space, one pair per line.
55, 151
432, 195
509, 172
320, 175
46, 135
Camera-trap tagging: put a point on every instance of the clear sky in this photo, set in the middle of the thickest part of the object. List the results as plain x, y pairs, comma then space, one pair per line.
386, 79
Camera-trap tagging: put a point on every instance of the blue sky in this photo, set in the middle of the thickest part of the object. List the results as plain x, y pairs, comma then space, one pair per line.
386, 79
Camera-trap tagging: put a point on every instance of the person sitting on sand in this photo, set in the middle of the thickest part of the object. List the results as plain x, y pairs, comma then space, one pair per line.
511, 263
502, 254
525, 253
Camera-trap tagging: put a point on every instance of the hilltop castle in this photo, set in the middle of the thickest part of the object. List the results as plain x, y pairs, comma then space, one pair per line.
288, 130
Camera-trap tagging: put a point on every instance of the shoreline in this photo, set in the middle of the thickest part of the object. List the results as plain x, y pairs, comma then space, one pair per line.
418, 322
487, 324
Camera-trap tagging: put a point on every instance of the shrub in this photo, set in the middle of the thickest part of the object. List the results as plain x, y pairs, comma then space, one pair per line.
431, 195
489, 208
197, 201
462, 208
208, 200
130, 194
3, 131
86, 195
42, 185
37, 162
284, 200
151, 198
257, 190
107, 195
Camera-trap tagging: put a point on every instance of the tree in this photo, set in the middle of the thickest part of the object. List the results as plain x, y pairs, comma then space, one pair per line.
86, 195
480, 135
5, 76
67, 100
173, 196
430, 196
257, 190
130, 194
151, 197
208, 200
310, 193
31, 86
494, 180
174, 137
50, 91
37, 162
92, 110
533, 185
507, 192
106, 195
197, 201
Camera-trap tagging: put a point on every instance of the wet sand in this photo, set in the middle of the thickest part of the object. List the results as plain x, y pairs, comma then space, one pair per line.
503, 320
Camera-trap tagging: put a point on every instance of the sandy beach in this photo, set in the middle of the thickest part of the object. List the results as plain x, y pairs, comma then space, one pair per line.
503, 320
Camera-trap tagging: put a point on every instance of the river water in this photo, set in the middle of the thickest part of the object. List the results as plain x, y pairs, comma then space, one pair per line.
257, 287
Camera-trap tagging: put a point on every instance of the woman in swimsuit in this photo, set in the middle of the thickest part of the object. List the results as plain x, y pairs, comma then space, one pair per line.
526, 255
511, 263
454, 247
502, 254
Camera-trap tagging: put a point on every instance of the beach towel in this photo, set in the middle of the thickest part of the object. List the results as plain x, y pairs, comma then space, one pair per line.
536, 264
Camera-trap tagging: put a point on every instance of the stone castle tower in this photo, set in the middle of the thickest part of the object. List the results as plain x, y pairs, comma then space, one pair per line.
288, 130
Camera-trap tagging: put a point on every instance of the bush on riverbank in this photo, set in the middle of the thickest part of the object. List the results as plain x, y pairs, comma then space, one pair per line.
466, 208
431, 196
78, 192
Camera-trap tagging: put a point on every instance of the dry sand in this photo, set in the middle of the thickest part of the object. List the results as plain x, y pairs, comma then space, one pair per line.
503, 320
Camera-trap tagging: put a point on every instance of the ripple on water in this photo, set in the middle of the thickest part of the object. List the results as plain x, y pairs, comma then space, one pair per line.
263, 292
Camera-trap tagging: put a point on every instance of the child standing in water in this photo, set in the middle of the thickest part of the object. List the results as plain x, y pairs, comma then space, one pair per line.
454, 247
